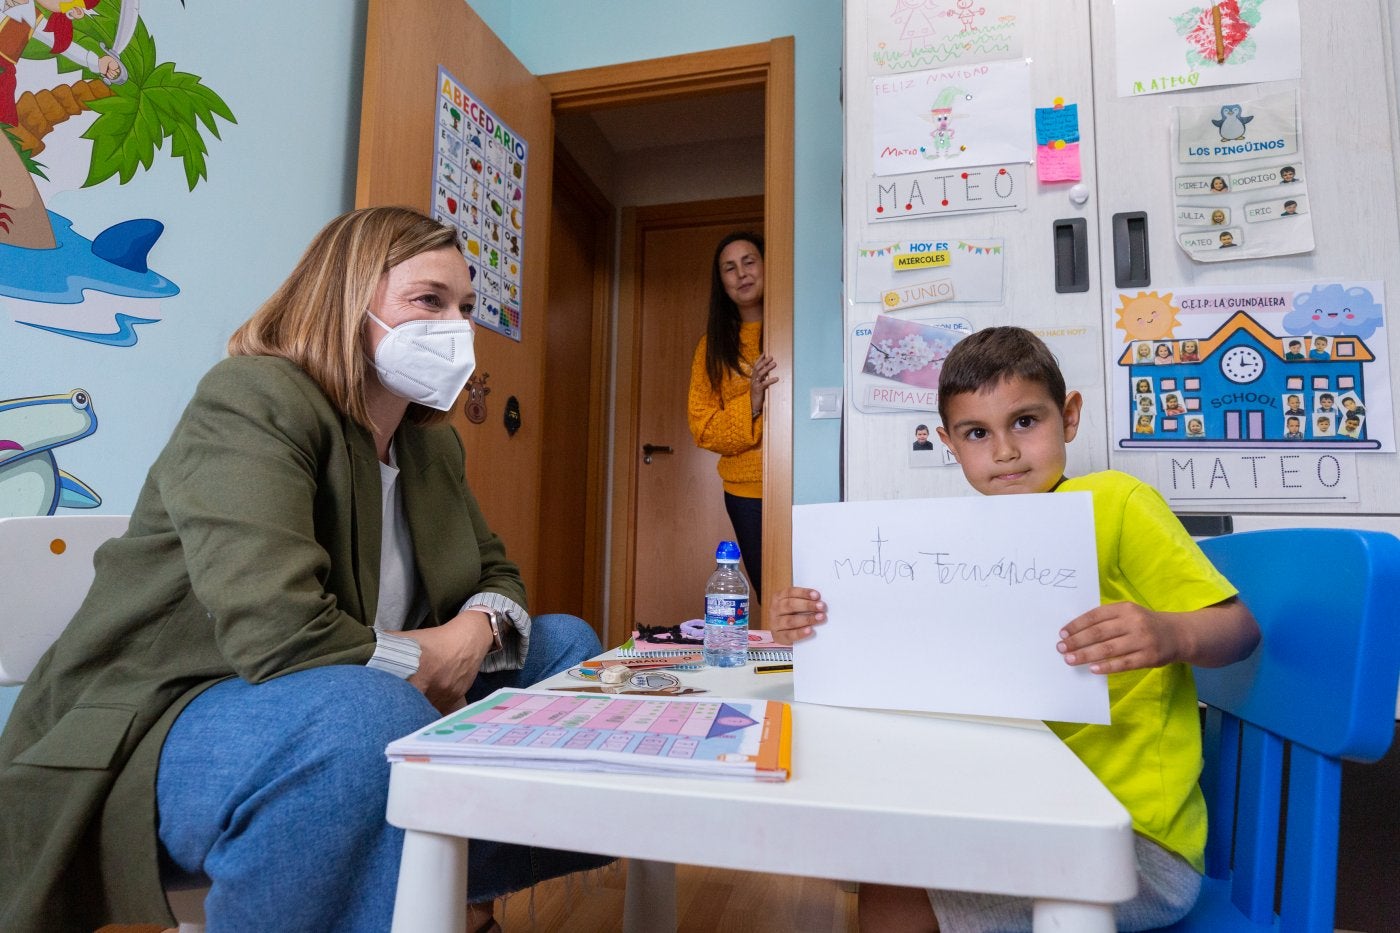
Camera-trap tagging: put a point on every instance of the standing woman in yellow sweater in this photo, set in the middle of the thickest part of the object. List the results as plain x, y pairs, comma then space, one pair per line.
729, 378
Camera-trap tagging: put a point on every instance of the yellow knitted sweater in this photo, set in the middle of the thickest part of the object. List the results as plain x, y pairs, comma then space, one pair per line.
724, 423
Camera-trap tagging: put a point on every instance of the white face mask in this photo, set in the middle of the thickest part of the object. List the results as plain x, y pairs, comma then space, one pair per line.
426, 361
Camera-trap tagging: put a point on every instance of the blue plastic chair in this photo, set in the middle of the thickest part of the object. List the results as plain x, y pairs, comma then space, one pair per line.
1320, 687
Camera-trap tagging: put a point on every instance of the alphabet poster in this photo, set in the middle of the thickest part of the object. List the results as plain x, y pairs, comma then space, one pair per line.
1240, 185
1175, 45
952, 117
1253, 368
949, 605
910, 35
479, 188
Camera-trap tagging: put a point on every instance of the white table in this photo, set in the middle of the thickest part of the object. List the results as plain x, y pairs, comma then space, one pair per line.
958, 803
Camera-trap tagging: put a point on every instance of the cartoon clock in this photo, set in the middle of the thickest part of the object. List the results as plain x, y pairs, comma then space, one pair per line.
1242, 364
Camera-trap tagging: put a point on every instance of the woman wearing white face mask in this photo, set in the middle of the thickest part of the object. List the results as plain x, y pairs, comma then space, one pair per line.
305, 578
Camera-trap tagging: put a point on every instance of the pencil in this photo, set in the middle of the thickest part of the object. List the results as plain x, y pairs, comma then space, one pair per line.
772, 668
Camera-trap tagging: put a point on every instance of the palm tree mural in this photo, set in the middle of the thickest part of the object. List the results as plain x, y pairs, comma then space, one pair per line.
135, 103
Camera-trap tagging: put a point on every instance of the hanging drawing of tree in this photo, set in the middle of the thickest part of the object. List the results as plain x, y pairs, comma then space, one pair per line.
1219, 34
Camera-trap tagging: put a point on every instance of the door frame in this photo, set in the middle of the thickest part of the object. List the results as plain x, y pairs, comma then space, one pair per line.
769, 66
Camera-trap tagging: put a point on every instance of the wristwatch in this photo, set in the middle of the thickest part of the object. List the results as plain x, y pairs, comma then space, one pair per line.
496, 619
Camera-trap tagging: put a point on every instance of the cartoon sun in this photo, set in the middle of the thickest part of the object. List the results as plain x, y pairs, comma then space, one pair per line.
1149, 316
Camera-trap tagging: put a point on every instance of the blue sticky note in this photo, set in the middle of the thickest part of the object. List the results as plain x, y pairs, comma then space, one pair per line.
1052, 124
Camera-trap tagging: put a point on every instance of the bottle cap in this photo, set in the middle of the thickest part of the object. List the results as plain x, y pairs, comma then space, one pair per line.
727, 553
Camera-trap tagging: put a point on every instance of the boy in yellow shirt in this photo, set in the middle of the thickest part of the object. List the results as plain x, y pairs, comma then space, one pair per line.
1007, 417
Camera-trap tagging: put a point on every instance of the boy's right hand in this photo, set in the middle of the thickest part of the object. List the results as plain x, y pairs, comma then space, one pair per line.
794, 613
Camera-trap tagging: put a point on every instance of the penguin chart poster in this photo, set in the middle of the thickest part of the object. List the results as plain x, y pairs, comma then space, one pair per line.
1241, 187
947, 118
479, 187
1176, 45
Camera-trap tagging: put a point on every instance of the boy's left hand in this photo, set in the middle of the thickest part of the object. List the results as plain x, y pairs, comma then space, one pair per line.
1120, 637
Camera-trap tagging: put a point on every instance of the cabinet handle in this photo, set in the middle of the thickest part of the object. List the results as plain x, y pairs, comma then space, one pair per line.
1131, 264
1071, 255
649, 449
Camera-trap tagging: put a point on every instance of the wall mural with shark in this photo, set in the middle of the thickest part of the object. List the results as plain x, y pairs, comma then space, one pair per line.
118, 105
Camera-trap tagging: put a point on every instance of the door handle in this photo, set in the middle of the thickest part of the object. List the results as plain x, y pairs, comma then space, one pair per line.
1071, 255
649, 449
1132, 266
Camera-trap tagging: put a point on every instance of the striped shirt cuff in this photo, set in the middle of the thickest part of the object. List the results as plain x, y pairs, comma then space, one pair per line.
397, 654
515, 639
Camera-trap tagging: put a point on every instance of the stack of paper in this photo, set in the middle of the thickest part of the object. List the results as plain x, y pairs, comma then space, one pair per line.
649, 735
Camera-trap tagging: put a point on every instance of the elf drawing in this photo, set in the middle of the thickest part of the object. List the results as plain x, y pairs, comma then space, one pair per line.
941, 115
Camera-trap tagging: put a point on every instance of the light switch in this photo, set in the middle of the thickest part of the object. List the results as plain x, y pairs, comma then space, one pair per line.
826, 403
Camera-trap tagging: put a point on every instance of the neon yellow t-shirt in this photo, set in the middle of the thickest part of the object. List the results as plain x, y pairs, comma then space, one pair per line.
1150, 757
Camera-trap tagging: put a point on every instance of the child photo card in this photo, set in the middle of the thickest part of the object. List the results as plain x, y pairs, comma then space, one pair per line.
1240, 186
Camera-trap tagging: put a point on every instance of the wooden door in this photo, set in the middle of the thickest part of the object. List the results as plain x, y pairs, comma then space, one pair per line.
572, 495
679, 514
404, 45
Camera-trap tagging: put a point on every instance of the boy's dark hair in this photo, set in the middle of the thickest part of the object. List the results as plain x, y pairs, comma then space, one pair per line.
1295, 343
993, 355
920, 427
1327, 395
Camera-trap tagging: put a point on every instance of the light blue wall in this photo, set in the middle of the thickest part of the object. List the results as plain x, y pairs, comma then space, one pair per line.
562, 35
288, 165
275, 177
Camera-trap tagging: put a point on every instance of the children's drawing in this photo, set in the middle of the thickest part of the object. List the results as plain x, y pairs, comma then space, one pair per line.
910, 35
1240, 186
30, 430
1254, 367
91, 61
479, 188
1174, 45
951, 117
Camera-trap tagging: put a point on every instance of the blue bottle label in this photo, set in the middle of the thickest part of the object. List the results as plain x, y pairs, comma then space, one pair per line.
726, 610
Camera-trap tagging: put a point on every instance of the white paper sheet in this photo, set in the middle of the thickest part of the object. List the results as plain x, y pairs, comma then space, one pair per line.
952, 117
949, 605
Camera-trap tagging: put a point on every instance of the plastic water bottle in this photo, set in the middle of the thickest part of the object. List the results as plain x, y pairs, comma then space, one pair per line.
727, 611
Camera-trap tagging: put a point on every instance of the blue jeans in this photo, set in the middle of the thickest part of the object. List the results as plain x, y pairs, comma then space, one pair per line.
276, 793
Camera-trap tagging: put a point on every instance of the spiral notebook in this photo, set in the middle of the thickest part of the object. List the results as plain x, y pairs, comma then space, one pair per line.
762, 647
706, 737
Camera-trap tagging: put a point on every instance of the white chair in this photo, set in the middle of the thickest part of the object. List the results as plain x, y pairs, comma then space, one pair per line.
47, 563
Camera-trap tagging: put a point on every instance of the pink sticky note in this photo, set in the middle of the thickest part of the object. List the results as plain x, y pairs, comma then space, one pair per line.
1052, 164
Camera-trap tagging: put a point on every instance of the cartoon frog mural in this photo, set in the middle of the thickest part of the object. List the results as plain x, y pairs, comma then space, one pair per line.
30, 429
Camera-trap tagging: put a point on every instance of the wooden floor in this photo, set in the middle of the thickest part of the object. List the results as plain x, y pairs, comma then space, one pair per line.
708, 900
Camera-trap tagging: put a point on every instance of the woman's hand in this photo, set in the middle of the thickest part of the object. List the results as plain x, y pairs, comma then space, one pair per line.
451, 658
793, 614
760, 378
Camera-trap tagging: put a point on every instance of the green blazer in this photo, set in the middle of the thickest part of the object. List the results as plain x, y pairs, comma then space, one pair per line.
253, 551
